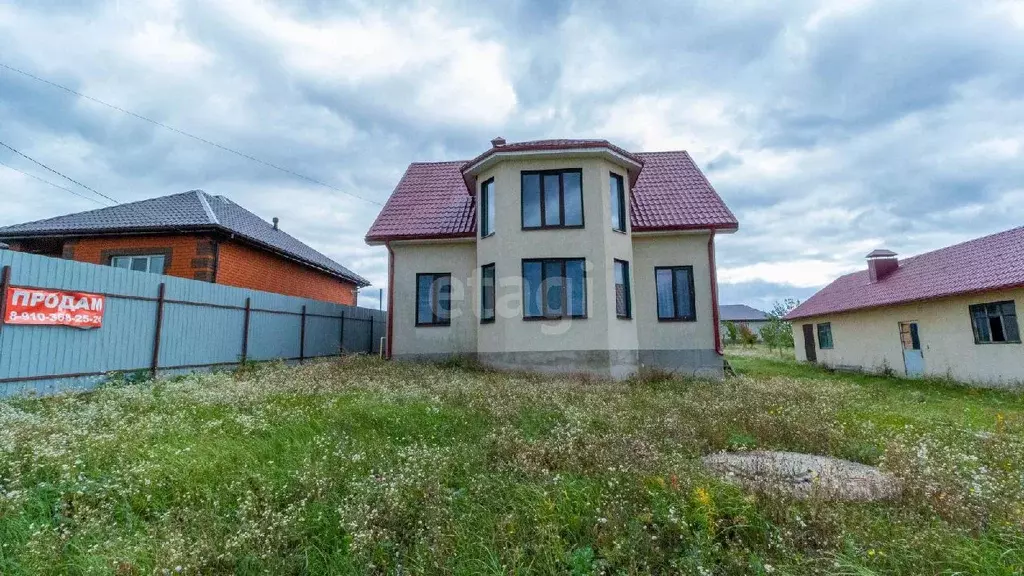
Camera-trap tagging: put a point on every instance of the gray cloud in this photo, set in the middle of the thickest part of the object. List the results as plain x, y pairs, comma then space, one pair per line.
829, 128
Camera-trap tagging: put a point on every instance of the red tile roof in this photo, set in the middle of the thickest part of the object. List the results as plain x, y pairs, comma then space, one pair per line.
985, 264
432, 201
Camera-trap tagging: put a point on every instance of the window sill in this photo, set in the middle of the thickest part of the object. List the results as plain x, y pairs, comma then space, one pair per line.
487, 235
623, 317
997, 343
434, 325
623, 232
533, 228
551, 318
677, 319
487, 320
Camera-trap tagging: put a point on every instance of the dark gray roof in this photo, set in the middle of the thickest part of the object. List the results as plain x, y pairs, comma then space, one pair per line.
183, 212
740, 313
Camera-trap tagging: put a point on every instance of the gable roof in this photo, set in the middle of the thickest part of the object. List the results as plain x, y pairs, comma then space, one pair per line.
188, 211
990, 263
432, 201
740, 312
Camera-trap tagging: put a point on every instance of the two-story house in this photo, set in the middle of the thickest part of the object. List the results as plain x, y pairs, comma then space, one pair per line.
556, 256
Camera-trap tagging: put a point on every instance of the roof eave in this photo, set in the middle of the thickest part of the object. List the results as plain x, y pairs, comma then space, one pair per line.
382, 239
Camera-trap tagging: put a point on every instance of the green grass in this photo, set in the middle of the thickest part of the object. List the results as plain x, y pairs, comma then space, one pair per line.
363, 466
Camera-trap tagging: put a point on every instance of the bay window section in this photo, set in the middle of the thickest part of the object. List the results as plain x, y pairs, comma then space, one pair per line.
623, 306
618, 192
487, 208
487, 293
554, 288
552, 199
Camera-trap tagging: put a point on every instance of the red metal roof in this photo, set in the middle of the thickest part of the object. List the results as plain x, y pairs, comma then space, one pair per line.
431, 200
985, 264
562, 144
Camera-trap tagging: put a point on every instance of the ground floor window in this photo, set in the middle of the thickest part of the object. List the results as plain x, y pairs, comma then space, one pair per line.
142, 263
676, 301
433, 299
825, 336
995, 323
554, 288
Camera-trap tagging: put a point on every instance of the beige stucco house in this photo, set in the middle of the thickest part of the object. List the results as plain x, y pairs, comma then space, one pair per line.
556, 256
951, 313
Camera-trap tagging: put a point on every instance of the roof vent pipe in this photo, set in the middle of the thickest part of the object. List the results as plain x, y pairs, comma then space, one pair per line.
275, 223
499, 141
881, 263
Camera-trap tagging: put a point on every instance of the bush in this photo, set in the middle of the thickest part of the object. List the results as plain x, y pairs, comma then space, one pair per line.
747, 336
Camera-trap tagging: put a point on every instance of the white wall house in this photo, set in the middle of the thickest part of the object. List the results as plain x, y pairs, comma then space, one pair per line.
556, 256
951, 313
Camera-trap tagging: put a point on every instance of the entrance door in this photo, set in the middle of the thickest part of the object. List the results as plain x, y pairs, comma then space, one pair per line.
812, 356
913, 357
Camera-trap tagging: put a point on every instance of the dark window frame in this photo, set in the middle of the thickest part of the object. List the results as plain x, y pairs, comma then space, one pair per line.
973, 309
544, 293
542, 203
485, 204
484, 319
628, 315
435, 300
675, 296
622, 201
818, 332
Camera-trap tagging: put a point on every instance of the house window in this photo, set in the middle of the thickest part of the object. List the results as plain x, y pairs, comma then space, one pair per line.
142, 263
995, 323
554, 288
433, 299
487, 293
487, 208
618, 203
623, 307
825, 336
552, 199
675, 293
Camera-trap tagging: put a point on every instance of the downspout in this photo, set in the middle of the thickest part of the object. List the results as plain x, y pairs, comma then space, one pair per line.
714, 294
391, 299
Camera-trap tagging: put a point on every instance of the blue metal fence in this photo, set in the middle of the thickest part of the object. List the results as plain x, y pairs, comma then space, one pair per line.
163, 324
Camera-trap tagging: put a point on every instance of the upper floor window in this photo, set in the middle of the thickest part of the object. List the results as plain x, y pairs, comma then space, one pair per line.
825, 336
554, 288
675, 293
434, 299
623, 306
552, 199
141, 263
487, 208
995, 323
618, 202
487, 293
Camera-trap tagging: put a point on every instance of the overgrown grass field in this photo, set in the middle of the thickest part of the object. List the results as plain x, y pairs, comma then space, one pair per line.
362, 466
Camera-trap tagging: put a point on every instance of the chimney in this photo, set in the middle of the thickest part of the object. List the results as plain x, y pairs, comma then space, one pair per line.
275, 223
499, 141
881, 263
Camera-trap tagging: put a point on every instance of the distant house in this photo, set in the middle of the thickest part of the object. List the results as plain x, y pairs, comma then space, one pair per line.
742, 315
191, 235
556, 256
951, 312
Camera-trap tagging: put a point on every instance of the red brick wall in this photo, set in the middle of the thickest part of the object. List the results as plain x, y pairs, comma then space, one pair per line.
241, 265
190, 257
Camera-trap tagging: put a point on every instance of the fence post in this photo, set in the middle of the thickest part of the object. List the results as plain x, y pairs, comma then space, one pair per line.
245, 330
159, 326
302, 336
5, 283
369, 348
341, 334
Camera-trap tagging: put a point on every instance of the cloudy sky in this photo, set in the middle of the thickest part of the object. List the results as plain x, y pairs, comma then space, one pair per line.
830, 128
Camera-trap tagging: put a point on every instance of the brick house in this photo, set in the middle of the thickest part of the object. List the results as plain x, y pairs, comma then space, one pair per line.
191, 235
556, 256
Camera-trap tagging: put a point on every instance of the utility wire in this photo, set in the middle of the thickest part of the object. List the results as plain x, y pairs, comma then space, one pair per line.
68, 178
187, 134
89, 198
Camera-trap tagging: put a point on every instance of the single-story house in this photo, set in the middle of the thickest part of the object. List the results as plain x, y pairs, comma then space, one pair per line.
191, 235
556, 256
948, 313
742, 315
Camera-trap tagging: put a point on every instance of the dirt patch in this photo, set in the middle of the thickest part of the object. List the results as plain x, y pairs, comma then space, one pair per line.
803, 475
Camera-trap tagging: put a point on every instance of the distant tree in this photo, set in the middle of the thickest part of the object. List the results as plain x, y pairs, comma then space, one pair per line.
747, 336
731, 332
777, 333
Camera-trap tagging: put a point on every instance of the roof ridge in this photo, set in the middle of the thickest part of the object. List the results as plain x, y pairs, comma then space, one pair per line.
206, 206
964, 243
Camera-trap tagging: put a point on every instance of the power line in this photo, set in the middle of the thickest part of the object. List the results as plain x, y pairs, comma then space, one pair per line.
52, 184
187, 134
68, 178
